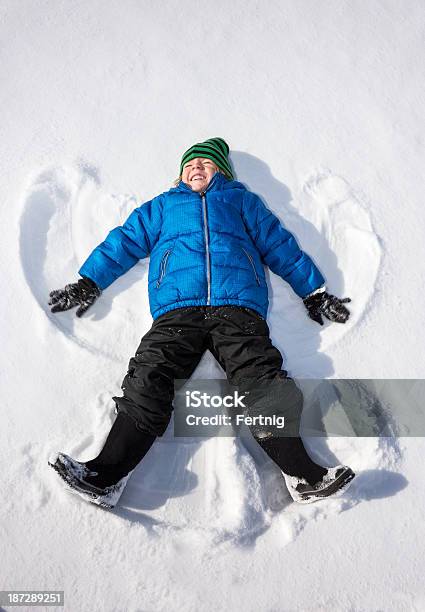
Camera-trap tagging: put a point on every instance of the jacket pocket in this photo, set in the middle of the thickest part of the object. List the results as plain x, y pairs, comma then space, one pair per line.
251, 261
163, 267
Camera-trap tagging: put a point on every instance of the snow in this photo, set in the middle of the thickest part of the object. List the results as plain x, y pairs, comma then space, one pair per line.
322, 105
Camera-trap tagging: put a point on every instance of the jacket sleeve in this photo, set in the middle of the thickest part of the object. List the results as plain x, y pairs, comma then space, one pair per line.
278, 247
125, 245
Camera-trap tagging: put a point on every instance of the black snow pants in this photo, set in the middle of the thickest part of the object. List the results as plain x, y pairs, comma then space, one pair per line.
239, 339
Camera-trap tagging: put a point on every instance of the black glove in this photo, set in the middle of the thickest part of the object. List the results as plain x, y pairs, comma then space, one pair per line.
331, 307
83, 294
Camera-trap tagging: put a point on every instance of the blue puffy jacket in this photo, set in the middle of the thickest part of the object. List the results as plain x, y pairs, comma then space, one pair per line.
205, 249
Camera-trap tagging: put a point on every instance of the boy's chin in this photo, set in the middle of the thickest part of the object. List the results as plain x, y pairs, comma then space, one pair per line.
198, 186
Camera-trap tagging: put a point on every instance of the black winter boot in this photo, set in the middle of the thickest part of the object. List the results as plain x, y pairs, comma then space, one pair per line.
292, 458
306, 481
124, 448
103, 479
335, 482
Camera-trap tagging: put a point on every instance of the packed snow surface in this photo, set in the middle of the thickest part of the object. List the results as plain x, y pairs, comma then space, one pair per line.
322, 104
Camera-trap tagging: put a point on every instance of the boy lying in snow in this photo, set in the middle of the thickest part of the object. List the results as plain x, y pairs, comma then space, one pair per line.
208, 238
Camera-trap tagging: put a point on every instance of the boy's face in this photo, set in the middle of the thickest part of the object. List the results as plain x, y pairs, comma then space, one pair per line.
198, 172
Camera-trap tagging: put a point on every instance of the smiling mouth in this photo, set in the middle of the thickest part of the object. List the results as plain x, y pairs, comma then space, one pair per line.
198, 178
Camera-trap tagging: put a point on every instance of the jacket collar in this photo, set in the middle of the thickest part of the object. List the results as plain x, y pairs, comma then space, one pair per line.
215, 184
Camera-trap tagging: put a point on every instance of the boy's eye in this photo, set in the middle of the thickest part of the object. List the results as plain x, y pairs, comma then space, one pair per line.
206, 163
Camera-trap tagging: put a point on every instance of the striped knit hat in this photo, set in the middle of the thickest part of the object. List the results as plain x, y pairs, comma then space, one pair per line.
215, 149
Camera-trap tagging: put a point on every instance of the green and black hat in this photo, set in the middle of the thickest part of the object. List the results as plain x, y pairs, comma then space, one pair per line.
215, 149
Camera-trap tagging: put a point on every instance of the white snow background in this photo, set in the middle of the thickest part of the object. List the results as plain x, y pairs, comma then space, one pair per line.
322, 103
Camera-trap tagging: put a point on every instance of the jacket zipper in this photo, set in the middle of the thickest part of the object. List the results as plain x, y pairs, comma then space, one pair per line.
162, 267
207, 247
251, 261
